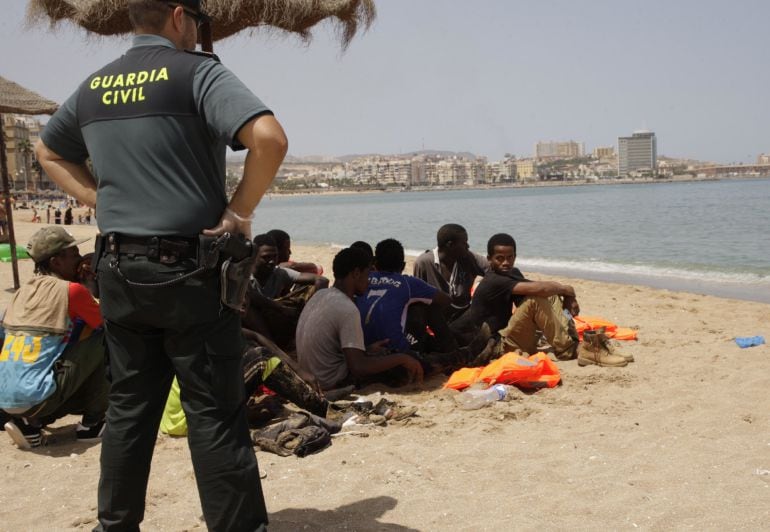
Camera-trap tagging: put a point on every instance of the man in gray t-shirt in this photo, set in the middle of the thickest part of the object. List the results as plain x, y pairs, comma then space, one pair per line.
330, 340
329, 323
451, 267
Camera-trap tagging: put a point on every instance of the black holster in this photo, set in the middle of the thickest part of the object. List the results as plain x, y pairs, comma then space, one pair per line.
98, 252
238, 257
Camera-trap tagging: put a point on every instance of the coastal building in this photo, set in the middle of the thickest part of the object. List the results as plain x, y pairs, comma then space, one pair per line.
526, 168
448, 171
306, 171
763, 158
381, 170
501, 171
16, 134
559, 150
637, 153
21, 134
604, 152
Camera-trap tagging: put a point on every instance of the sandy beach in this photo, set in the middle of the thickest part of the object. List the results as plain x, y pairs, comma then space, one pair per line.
677, 440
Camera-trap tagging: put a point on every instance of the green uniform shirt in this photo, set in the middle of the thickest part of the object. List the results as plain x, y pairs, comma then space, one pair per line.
156, 130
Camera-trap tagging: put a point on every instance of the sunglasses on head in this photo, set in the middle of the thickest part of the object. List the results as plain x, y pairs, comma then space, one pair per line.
197, 17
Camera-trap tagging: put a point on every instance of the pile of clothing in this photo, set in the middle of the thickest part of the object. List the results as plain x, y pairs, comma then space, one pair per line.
303, 433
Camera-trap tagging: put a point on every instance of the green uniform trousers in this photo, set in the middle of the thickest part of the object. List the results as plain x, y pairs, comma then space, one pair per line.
154, 333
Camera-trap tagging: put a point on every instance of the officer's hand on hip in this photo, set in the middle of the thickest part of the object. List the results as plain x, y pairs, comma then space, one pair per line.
231, 222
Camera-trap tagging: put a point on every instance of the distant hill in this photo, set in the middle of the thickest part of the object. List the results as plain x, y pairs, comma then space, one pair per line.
311, 159
240, 156
684, 161
444, 153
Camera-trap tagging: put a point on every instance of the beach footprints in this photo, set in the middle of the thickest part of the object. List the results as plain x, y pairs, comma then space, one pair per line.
624, 379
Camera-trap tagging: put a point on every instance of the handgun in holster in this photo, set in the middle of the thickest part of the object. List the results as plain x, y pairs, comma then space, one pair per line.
237, 256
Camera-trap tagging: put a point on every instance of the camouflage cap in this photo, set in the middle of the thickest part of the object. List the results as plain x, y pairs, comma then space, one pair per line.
49, 241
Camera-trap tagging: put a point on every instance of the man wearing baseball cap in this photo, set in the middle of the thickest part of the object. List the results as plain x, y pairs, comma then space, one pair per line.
52, 361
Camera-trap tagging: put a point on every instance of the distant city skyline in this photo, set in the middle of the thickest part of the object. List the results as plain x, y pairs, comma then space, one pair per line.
488, 78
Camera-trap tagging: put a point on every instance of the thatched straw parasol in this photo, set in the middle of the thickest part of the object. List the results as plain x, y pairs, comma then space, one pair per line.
16, 99
228, 17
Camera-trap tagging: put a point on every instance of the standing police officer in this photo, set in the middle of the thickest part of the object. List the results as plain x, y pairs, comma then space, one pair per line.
155, 124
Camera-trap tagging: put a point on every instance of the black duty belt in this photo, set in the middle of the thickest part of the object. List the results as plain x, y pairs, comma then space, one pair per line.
165, 249
233, 255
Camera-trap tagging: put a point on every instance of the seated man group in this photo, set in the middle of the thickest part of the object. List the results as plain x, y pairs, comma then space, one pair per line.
373, 324
428, 315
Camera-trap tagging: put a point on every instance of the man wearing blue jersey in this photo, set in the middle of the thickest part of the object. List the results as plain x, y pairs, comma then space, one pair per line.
386, 303
384, 306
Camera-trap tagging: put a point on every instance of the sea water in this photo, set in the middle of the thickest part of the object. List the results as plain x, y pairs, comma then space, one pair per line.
709, 237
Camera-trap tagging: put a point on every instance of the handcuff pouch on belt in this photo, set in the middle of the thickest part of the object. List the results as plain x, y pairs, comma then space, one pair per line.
239, 256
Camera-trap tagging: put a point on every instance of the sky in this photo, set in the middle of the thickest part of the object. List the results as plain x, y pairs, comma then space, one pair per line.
489, 77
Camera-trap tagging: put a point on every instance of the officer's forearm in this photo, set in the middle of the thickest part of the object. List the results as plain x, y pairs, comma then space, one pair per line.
74, 179
267, 145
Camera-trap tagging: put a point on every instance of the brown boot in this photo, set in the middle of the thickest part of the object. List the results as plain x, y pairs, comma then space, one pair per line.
607, 343
594, 351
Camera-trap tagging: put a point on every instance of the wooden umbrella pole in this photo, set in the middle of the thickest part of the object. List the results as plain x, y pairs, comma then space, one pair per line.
8, 209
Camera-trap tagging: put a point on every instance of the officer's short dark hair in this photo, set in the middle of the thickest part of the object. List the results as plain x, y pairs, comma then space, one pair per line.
280, 236
500, 239
389, 256
449, 233
349, 259
263, 240
149, 15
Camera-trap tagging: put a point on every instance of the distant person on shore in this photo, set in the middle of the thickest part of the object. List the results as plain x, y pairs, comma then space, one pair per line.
88, 216
48, 215
271, 311
387, 302
545, 306
451, 267
68, 216
283, 244
52, 362
330, 340
35, 216
57, 216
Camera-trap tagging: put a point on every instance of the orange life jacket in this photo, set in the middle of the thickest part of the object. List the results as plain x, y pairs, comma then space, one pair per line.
589, 323
536, 371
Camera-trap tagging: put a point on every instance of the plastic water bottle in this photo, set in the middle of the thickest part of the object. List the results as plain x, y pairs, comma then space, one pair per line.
474, 399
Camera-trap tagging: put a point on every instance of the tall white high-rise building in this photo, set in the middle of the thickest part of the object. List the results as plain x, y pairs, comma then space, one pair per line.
638, 152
